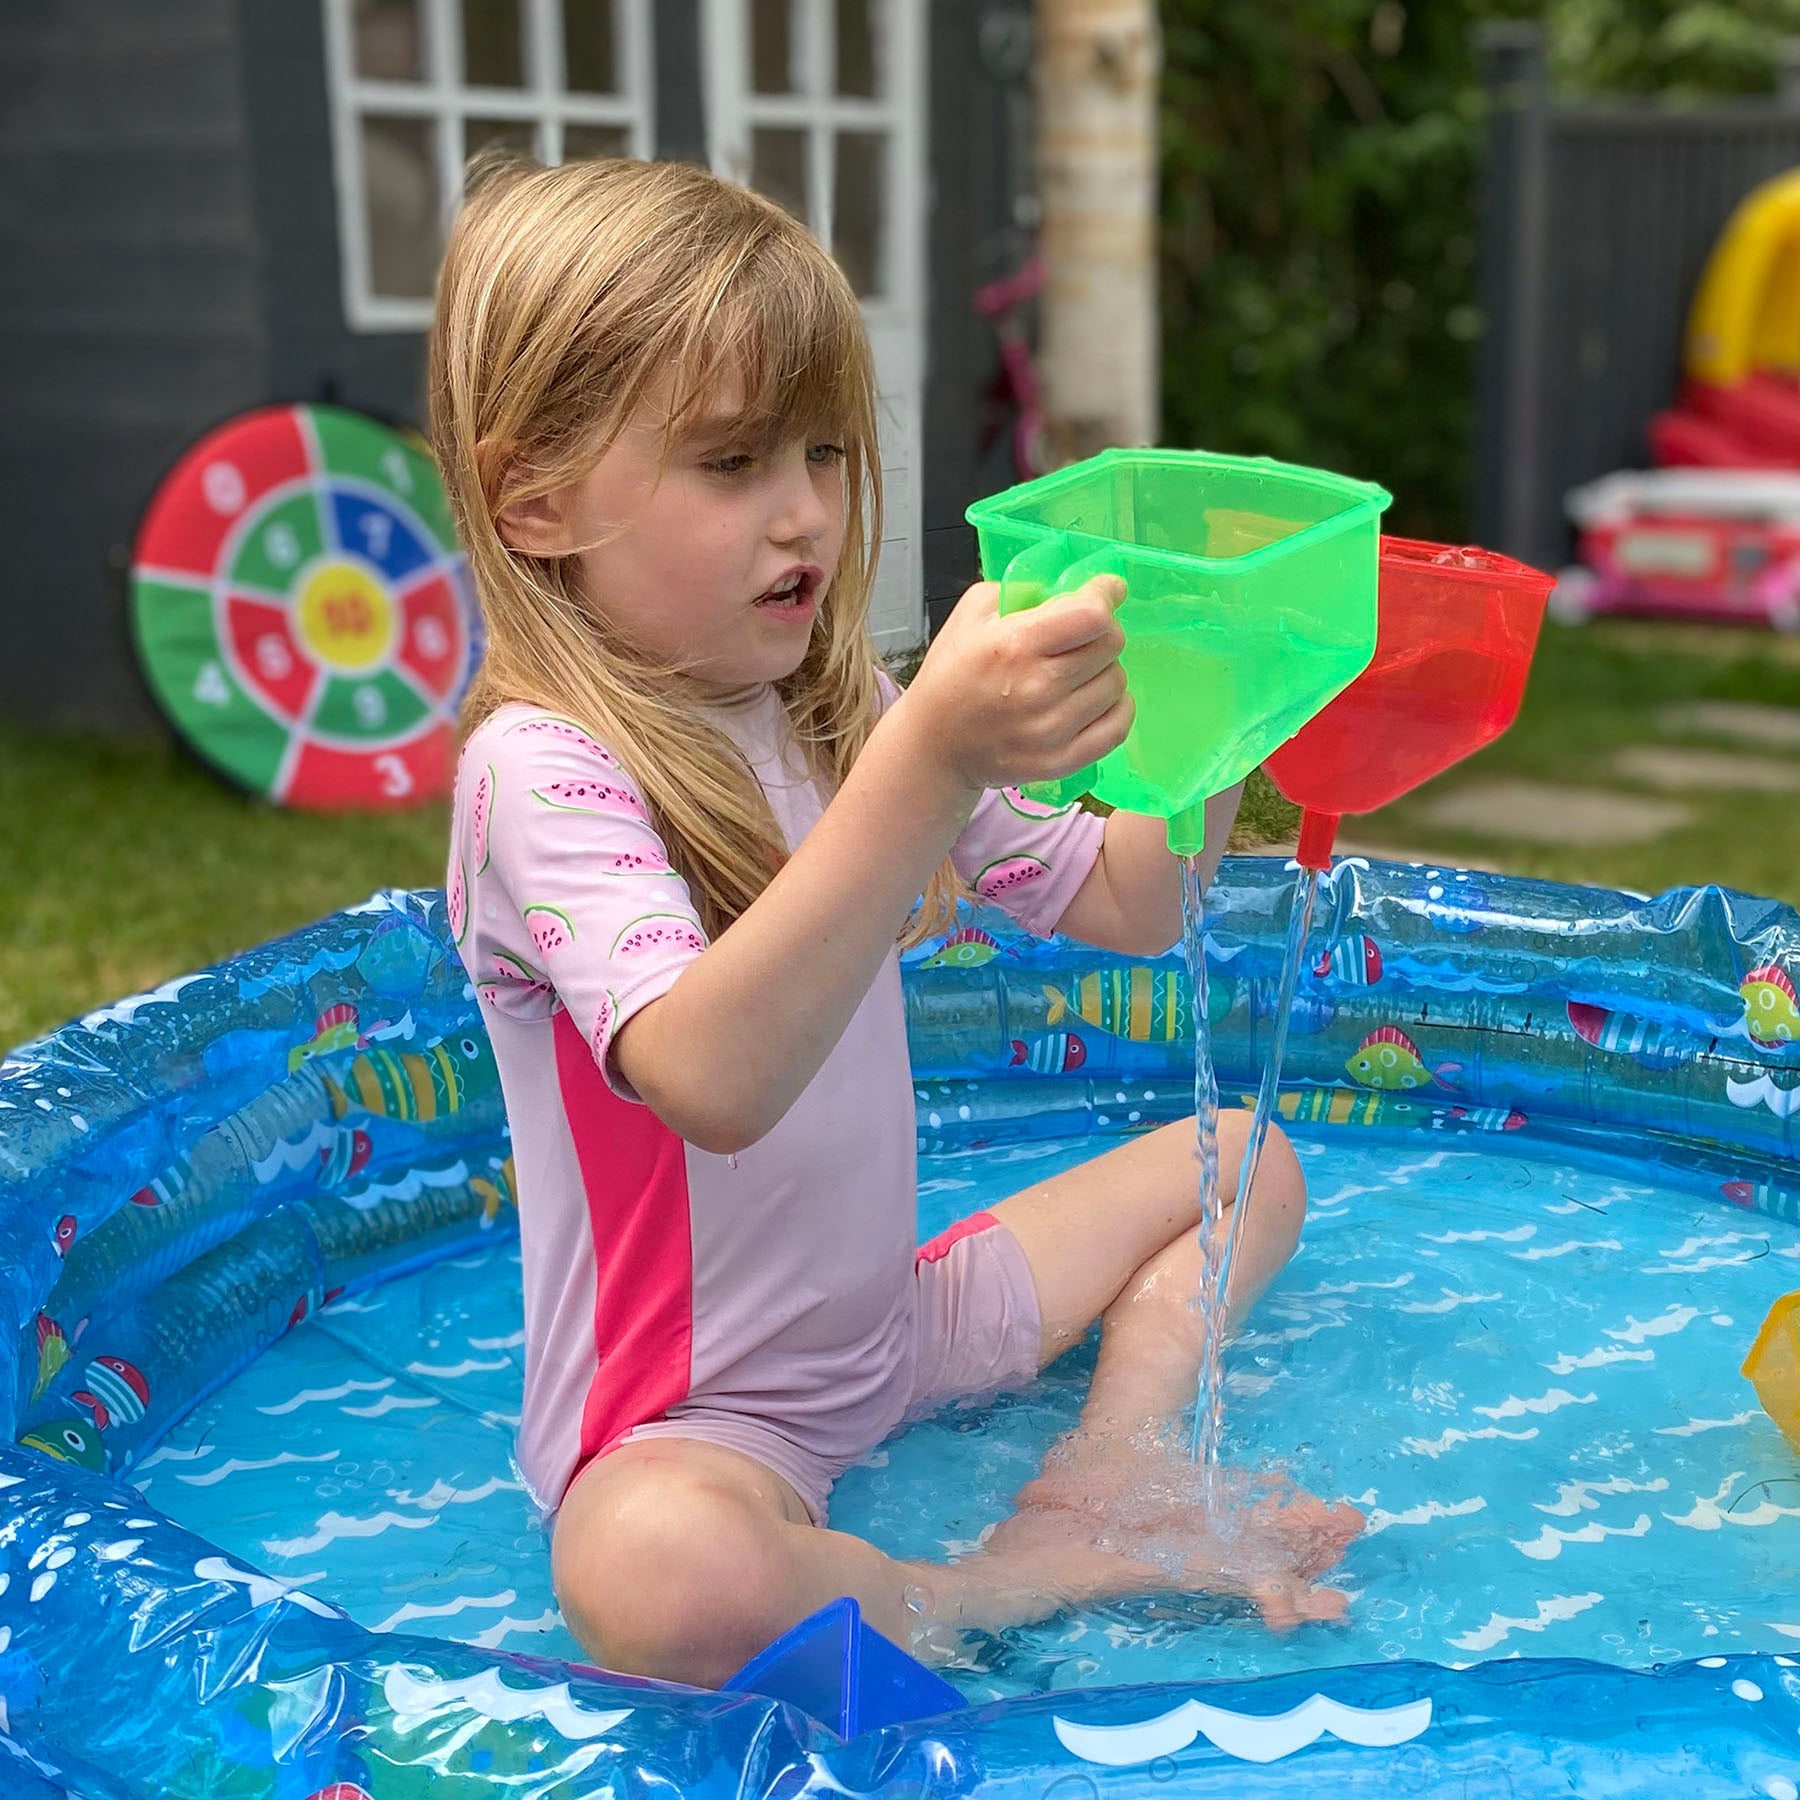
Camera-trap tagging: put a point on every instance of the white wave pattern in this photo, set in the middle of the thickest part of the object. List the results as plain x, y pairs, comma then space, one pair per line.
260, 1589
1517, 1235
1549, 1612
441, 1494
450, 1371
1554, 1400
1439, 1446
514, 1340
307, 1396
409, 1186
296, 1153
173, 1453
1247, 1737
1784, 1103
1450, 1301
388, 1403
1542, 1252
1670, 1319
549, 1620
1547, 1546
1423, 1513
233, 1466
1694, 1427
125, 1010
1603, 1357
1574, 1497
335, 1525
416, 1699
448, 1610
1709, 1515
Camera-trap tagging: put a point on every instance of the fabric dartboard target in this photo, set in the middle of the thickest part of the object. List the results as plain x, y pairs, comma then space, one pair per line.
303, 612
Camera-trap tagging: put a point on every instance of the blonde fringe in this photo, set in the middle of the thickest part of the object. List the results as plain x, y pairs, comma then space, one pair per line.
564, 294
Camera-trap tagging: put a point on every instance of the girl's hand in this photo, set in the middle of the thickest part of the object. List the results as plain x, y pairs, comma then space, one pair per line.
1028, 697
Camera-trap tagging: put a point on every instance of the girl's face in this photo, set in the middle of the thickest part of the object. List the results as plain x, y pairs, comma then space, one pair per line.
713, 556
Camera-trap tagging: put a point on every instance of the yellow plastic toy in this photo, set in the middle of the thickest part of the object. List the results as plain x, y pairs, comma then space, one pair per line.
1744, 317
1773, 1366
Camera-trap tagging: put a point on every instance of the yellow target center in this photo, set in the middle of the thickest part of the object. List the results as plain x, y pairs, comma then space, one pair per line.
345, 617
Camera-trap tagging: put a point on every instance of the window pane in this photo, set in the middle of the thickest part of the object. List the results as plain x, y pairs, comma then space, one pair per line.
859, 227
400, 186
858, 63
492, 54
590, 57
778, 167
583, 141
390, 40
515, 134
772, 46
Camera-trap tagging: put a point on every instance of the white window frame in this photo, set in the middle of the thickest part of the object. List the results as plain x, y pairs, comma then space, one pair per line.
898, 311
443, 98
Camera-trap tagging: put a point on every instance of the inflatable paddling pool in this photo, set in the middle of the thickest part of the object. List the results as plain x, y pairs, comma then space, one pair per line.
187, 1177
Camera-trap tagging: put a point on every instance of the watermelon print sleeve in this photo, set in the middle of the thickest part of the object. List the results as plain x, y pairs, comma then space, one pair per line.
1027, 858
561, 893
1024, 857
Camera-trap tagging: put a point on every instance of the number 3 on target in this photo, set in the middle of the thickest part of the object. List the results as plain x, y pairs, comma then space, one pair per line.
396, 777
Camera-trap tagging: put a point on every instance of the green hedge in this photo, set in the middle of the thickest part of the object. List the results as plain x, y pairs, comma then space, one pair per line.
1320, 159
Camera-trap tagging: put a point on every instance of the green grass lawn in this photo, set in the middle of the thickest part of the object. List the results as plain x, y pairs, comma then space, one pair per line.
123, 863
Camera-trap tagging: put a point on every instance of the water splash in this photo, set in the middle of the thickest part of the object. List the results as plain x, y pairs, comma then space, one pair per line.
1209, 1399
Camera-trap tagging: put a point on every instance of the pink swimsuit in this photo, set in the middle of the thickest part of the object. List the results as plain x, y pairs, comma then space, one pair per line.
773, 1303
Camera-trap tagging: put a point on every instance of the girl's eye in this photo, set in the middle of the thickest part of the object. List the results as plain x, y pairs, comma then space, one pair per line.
825, 453
730, 465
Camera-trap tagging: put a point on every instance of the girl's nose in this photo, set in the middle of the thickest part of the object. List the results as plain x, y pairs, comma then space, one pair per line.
802, 510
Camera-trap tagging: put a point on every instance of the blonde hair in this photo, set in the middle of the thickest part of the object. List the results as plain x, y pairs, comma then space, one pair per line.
565, 294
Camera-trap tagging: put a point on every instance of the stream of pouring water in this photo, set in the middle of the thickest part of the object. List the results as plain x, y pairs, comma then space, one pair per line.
1209, 1397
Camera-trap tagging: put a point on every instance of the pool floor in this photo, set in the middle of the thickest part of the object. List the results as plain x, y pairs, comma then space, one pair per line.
1524, 1371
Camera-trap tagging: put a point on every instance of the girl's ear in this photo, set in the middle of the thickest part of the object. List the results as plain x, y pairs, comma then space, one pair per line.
538, 526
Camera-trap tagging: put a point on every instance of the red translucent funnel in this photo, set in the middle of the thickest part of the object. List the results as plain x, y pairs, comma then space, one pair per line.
1453, 646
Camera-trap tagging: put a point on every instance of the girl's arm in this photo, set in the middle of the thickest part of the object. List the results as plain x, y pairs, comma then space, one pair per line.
728, 1049
1131, 900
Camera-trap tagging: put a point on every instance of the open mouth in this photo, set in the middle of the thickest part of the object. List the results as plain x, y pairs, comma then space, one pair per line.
794, 592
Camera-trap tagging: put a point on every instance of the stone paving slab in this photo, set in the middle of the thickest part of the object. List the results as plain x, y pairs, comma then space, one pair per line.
1542, 812
1769, 727
1683, 771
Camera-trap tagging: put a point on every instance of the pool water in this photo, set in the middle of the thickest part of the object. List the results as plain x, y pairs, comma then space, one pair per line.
1524, 1371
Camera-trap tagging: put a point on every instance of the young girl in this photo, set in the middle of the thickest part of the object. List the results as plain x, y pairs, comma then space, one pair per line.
693, 818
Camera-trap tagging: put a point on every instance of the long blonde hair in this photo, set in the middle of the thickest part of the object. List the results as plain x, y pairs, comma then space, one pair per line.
565, 294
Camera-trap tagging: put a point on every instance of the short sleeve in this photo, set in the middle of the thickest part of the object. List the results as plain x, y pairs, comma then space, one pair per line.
1022, 856
569, 901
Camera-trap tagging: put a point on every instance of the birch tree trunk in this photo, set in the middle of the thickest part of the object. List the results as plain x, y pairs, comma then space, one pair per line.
1098, 65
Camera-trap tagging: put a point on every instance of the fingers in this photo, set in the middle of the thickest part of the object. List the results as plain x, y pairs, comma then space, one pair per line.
1072, 620
1286, 1601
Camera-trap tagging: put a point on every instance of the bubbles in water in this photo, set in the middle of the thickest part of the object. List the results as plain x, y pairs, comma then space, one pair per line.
915, 1599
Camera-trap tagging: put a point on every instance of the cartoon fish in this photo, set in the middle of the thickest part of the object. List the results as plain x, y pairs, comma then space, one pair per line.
1056, 1053
310, 1302
1330, 1106
53, 1352
968, 948
335, 1029
70, 1441
1490, 1118
1649, 1041
62, 1234
1770, 1008
1355, 961
1387, 1058
502, 1187
347, 1154
116, 1392
1142, 1004
413, 1084
342, 1790
1753, 1196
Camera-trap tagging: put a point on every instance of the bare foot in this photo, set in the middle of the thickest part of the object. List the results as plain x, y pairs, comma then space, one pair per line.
1128, 1519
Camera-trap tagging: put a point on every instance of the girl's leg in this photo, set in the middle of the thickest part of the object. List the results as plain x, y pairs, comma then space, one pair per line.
681, 1560
1118, 1239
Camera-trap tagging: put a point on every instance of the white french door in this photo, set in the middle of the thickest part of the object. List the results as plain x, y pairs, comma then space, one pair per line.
821, 104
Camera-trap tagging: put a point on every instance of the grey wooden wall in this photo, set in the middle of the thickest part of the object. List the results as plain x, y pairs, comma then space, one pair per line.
1596, 223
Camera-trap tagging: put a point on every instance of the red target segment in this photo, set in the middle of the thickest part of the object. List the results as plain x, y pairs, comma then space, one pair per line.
302, 611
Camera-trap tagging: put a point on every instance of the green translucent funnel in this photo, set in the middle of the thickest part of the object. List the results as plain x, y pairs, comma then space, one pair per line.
1250, 590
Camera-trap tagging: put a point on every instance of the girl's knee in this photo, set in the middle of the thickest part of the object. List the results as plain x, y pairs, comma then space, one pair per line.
683, 1580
